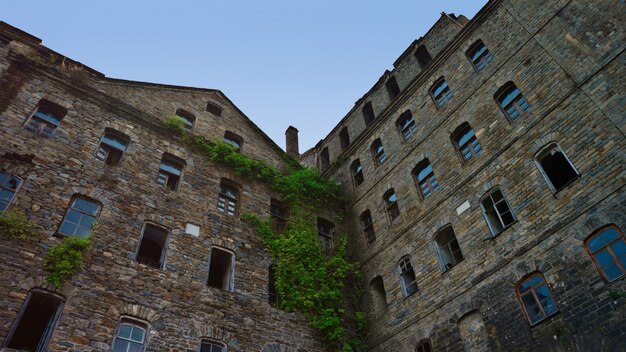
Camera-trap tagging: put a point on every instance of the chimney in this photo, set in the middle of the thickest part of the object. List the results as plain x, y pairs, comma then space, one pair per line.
291, 136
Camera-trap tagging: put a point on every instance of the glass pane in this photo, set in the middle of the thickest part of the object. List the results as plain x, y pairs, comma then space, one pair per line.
5, 195
114, 141
135, 347
49, 117
609, 234
137, 335
391, 198
596, 242
87, 221
423, 172
509, 96
67, 228
125, 331
439, 89
529, 283
171, 168
120, 345
619, 248
532, 309
612, 272
604, 258
82, 231
507, 218
545, 299
11, 182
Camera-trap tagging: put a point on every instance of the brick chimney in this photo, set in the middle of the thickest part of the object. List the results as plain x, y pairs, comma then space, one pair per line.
291, 136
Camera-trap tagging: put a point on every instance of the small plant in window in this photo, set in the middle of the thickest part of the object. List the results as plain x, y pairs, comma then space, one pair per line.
66, 258
175, 124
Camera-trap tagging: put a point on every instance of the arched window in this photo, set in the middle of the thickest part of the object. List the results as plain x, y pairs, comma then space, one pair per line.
221, 269
392, 87
324, 159
378, 152
272, 293
407, 276
214, 109
357, 172
234, 140
423, 56
153, 244
171, 172
497, 211
368, 114
440, 92
406, 125
112, 146
607, 248
46, 118
368, 226
426, 180
391, 204
465, 142
325, 231
535, 298
378, 296
448, 249
344, 138
479, 55
131, 336
188, 118
207, 345
228, 198
423, 346
9, 185
555, 166
511, 101
80, 217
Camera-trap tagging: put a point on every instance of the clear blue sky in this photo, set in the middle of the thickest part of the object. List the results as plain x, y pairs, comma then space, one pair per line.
281, 62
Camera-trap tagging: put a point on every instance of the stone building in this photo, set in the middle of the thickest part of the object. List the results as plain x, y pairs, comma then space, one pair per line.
485, 175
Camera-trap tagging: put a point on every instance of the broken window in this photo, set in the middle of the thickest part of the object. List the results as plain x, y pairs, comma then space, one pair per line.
448, 248
423, 56
221, 269
80, 217
344, 138
497, 211
46, 118
325, 230
188, 119
378, 152
426, 180
170, 172
212, 346
555, 167
535, 298
279, 213
357, 172
378, 296
112, 146
153, 246
130, 337
392, 87
406, 124
391, 204
511, 101
423, 346
407, 276
272, 293
325, 159
368, 226
479, 55
368, 113
441, 93
9, 185
214, 109
234, 140
466, 142
36, 322
228, 198
607, 248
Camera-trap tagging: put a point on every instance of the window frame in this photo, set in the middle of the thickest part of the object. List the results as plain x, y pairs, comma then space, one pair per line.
503, 92
403, 269
419, 167
422, 56
17, 189
171, 159
484, 211
186, 116
446, 93
519, 295
368, 228
214, 109
213, 342
379, 158
485, 57
232, 138
541, 153
327, 239
58, 232
118, 135
231, 272
130, 320
616, 260
279, 220
166, 245
368, 114
228, 200
47, 104
461, 131
324, 159
411, 127
444, 267
391, 206
423, 346
392, 87
344, 138
358, 177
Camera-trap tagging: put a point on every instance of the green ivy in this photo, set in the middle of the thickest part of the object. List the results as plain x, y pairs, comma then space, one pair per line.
15, 224
175, 124
65, 259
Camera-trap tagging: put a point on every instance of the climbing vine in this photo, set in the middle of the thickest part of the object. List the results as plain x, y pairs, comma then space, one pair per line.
66, 258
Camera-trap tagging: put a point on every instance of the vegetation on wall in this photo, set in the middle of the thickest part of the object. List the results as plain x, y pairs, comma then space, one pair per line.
66, 258
15, 224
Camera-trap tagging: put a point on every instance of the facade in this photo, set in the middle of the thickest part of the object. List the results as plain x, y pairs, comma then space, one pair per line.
485, 174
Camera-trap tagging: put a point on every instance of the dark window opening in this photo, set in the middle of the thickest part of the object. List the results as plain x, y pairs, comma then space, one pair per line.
9, 185
426, 179
407, 277
36, 322
535, 298
441, 93
46, 118
497, 211
212, 346
368, 227
227, 199
325, 231
466, 142
234, 140
221, 269
170, 172
272, 293
80, 217
391, 203
406, 124
325, 159
130, 337
392, 87
214, 109
423, 56
368, 113
479, 55
423, 346
344, 138
188, 118
556, 167
279, 213
112, 146
607, 248
511, 101
378, 152
448, 248
357, 172
378, 296
153, 246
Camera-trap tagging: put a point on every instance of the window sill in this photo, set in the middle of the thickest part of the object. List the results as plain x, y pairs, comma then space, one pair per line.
549, 317
452, 268
568, 185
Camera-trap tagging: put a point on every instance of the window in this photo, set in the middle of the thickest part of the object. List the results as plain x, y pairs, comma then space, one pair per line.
368, 113
423, 56
188, 119
279, 213
153, 246
426, 180
535, 298
234, 140
511, 101
227, 199
406, 124
46, 118
407, 276
497, 211
357, 172
9, 185
221, 269
325, 159
392, 87
555, 167
214, 109
80, 217
325, 230
423, 346
272, 293
368, 226
448, 248
466, 142
607, 248
441, 93
130, 337
36, 322
391, 203
170, 172
378, 151
378, 295
479, 55
212, 346
344, 138
112, 146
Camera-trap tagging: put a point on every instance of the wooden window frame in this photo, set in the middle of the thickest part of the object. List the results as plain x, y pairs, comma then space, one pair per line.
488, 194
537, 301
212, 342
443, 266
326, 239
391, 207
445, 94
231, 272
368, 228
475, 149
609, 250
107, 150
279, 220
411, 127
484, 58
227, 200
130, 320
426, 181
175, 161
17, 189
356, 170
502, 92
40, 129
379, 158
70, 206
163, 258
403, 268
542, 153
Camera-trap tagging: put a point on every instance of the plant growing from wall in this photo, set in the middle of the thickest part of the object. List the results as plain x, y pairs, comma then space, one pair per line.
66, 258
15, 224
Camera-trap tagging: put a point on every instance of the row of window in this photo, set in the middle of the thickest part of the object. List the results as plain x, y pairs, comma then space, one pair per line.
606, 247
509, 97
35, 324
557, 169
